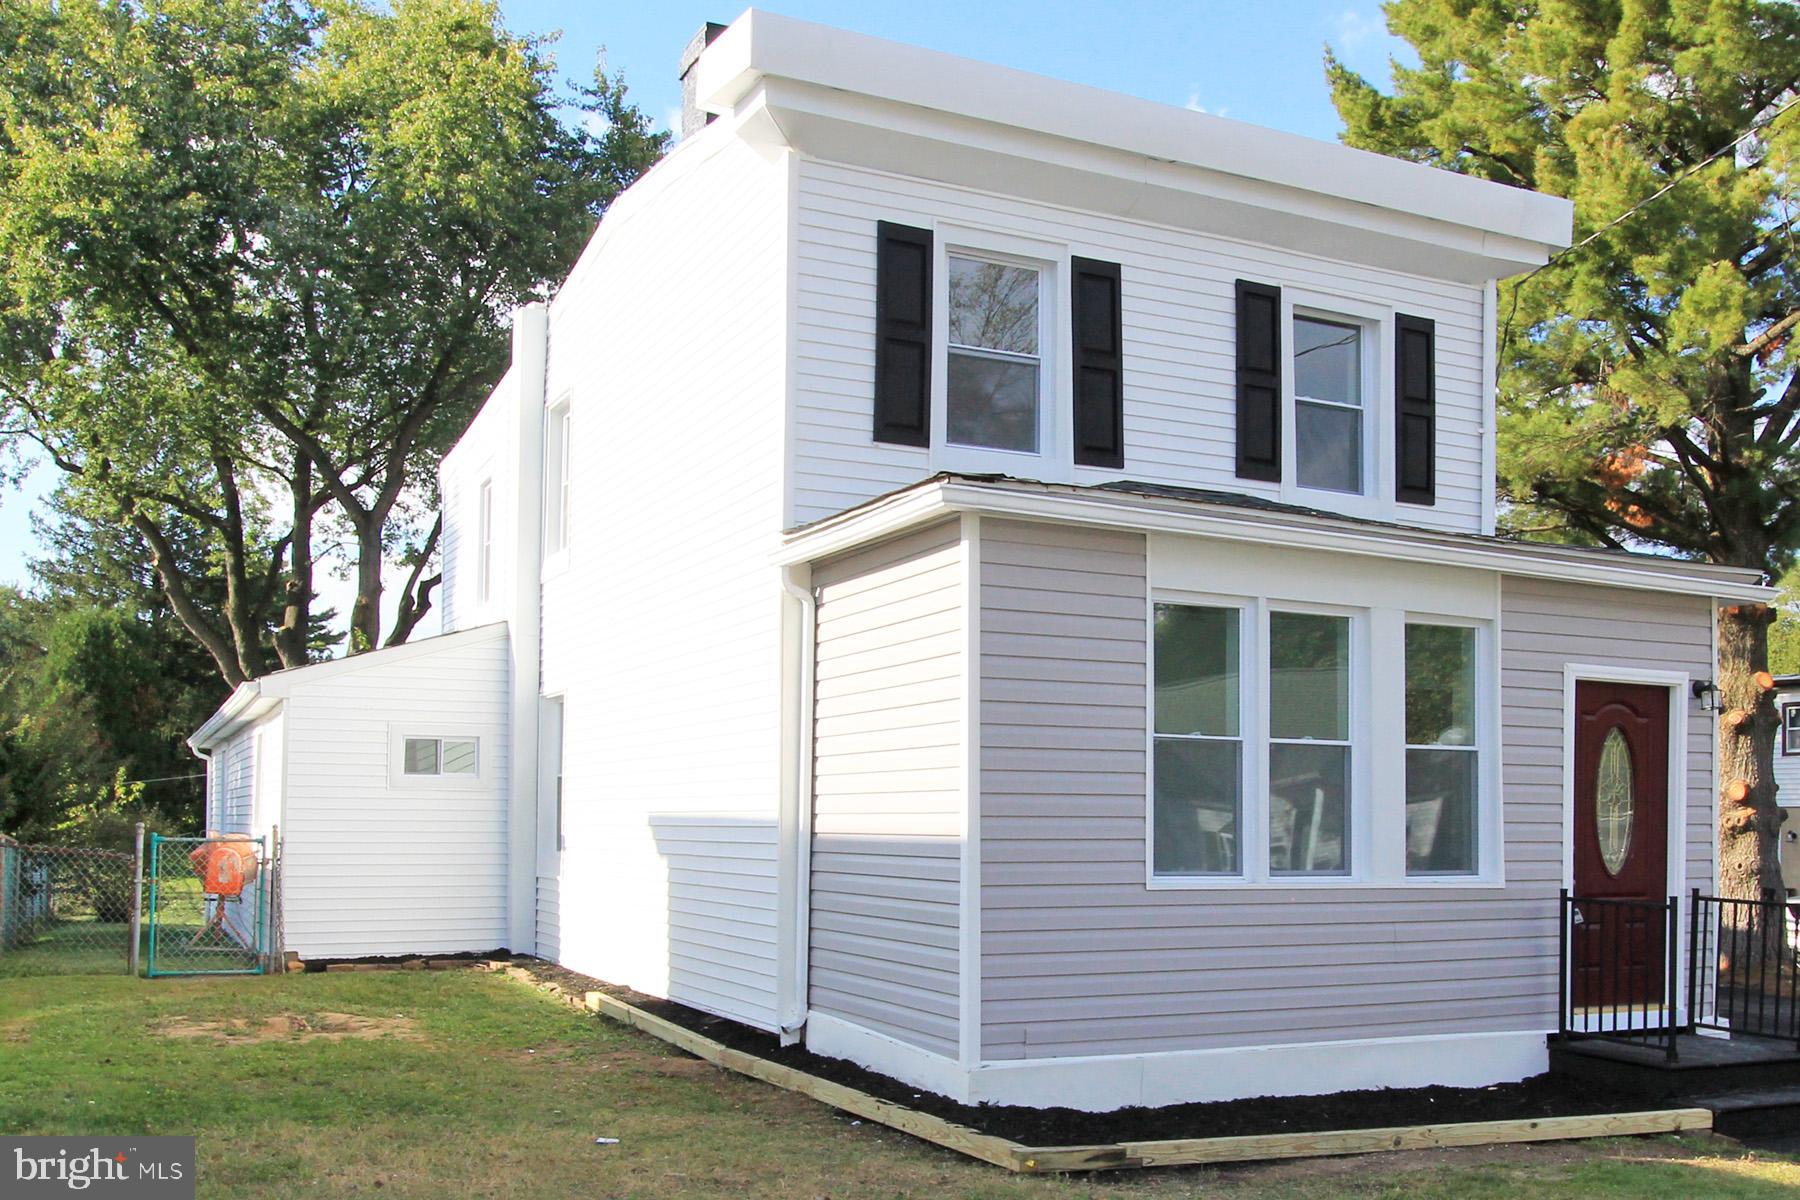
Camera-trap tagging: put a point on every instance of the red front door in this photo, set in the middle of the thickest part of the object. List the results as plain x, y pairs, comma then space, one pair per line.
1621, 843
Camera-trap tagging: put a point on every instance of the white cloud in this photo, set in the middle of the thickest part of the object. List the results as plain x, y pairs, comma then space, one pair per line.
1354, 28
1193, 105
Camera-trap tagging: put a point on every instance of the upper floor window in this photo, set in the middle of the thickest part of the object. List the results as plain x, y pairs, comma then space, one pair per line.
1336, 396
1328, 404
997, 353
1790, 729
557, 480
995, 364
484, 544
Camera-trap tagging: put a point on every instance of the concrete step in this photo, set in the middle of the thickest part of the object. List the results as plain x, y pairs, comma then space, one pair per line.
1756, 1113
1706, 1067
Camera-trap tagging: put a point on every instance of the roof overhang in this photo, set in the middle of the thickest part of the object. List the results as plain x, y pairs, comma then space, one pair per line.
944, 496
865, 101
247, 704
257, 698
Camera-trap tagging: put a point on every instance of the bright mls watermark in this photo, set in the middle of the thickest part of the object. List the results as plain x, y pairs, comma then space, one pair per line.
145, 1168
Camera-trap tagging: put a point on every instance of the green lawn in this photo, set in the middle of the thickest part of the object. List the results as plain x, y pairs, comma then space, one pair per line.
463, 1083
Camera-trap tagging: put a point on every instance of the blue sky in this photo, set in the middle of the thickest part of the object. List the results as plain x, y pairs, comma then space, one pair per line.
1252, 62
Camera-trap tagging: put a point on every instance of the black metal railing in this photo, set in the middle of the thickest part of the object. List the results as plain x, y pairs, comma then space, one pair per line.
1618, 971
1742, 974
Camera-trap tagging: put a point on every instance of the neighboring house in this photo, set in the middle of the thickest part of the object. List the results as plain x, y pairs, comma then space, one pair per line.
1000, 585
1787, 776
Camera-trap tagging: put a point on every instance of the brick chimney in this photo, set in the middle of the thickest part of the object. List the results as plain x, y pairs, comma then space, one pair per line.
692, 119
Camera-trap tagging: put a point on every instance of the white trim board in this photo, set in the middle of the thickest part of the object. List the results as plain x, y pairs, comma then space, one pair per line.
1101, 1083
937, 497
1294, 171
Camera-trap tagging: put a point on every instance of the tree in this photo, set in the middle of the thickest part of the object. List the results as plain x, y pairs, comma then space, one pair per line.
256, 260
1648, 396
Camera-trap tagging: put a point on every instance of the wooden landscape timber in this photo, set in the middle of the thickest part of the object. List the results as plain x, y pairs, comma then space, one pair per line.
1003, 1152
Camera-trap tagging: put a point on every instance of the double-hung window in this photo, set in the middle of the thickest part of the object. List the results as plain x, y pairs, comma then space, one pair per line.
1199, 741
1329, 388
1309, 744
993, 393
1790, 729
1442, 759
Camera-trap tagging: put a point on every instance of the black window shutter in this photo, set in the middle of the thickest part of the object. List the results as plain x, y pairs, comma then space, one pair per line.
1099, 365
1258, 381
902, 334
1415, 411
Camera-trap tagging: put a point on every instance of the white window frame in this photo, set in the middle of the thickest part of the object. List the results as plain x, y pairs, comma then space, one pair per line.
398, 776
1253, 770
484, 540
1790, 729
1377, 323
559, 426
1487, 835
1054, 459
1377, 817
1355, 818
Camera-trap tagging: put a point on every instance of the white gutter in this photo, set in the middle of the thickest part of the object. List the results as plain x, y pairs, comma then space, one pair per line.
1123, 510
245, 704
794, 888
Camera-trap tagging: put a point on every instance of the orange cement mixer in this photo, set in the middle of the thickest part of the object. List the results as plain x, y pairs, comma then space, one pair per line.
225, 863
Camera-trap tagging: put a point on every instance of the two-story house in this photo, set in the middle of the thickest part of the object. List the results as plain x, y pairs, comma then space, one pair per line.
997, 580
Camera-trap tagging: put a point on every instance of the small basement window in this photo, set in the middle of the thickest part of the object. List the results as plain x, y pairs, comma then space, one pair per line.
441, 756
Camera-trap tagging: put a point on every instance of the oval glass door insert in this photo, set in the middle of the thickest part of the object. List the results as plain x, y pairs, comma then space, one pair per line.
1615, 803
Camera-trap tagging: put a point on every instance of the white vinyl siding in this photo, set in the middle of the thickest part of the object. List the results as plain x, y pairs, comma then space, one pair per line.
887, 808
482, 458
376, 862
1179, 342
662, 631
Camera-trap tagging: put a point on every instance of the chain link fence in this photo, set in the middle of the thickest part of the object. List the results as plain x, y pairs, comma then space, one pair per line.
208, 906
66, 910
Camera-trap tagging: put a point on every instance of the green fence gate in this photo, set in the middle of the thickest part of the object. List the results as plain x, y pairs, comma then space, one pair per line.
209, 906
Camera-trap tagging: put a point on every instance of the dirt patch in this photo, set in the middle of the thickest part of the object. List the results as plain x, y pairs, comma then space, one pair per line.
1542, 1096
292, 1027
17, 1031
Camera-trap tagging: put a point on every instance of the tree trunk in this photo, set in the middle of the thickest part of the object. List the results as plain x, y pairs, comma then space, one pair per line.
1749, 820
296, 614
365, 615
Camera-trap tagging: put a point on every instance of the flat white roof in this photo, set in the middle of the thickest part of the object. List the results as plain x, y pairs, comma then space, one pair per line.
762, 45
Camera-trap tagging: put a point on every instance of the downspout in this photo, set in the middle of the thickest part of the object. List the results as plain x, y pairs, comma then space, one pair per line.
794, 937
530, 353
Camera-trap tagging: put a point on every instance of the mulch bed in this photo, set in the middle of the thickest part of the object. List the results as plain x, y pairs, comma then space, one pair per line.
1539, 1096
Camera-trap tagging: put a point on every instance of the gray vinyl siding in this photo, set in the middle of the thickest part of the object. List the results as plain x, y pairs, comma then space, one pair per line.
1545, 624
887, 791
1079, 957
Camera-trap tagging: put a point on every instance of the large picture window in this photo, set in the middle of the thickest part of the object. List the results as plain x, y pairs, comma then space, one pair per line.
1199, 768
1309, 744
1441, 756
995, 375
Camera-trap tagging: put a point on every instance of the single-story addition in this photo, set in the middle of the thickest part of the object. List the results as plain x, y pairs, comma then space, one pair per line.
385, 776
1139, 794
996, 581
